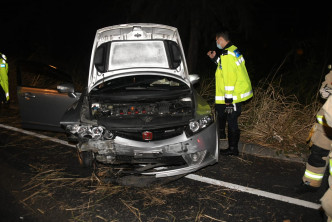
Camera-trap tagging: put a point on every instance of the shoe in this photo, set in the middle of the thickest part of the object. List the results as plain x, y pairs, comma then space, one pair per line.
230, 151
305, 188
233, 140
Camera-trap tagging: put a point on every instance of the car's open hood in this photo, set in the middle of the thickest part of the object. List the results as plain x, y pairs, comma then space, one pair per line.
132, 33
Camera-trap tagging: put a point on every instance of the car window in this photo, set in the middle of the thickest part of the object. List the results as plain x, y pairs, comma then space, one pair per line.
41, 76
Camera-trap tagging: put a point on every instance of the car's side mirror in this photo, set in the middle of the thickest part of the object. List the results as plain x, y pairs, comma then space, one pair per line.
65, 88
194, 78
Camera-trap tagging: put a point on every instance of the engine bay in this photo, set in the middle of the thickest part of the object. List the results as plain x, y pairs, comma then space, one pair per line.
177, 107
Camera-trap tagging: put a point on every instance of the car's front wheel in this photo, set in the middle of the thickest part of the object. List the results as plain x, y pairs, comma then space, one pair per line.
85, 158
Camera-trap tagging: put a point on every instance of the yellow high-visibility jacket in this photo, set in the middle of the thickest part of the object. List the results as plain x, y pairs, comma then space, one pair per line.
4, 77
232, 80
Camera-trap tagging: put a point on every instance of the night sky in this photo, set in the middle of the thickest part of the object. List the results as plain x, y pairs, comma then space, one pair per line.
62, 32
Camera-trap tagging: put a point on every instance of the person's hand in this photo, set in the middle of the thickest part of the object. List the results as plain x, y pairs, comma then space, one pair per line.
211, 54
229, 108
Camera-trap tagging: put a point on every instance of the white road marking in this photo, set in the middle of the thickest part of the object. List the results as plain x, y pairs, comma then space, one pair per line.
37, 135
211, 181
257, 192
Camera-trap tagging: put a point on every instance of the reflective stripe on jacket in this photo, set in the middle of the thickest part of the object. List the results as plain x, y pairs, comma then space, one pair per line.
232, 80
313, 176
321, 120
331, 164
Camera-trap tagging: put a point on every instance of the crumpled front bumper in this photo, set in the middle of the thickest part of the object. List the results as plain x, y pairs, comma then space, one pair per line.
197, 151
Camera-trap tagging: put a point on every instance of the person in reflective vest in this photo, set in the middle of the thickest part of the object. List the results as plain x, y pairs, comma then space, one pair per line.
233, 87
320, 138
326, 200
4, 90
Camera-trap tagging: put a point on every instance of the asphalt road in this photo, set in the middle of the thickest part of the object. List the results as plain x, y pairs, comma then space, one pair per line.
41, 180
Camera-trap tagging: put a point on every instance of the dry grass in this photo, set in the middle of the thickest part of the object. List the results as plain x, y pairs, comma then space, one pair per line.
91, 199
46, 181
156, 196
50, 184
271, 118
275, 120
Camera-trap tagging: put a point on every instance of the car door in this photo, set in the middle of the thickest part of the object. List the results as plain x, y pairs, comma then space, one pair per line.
41, 104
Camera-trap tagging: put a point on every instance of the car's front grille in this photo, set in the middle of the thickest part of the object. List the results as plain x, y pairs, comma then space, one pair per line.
174, 160
159, 134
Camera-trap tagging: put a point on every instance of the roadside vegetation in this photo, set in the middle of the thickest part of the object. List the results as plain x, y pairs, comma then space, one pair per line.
272, 118
276, 120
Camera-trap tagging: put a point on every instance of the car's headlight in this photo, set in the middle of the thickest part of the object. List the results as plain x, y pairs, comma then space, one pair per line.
194, 126
205, 121
200, 124
89, 132
72, 128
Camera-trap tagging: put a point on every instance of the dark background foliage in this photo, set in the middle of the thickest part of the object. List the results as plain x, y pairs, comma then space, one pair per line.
287, 39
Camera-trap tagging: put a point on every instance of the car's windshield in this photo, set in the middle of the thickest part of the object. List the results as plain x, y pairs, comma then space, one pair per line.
140, 83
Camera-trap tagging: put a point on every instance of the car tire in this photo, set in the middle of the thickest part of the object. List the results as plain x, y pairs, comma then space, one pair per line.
85, 158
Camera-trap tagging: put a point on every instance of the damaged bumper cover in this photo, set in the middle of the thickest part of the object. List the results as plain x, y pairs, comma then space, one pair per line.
164, 158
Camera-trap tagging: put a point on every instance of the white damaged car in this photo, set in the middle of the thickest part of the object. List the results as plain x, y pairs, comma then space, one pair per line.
140, 110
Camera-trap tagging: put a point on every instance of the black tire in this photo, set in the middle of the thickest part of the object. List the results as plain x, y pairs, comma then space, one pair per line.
85, 158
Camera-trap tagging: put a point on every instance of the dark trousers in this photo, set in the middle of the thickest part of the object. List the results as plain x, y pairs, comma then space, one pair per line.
230, 118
